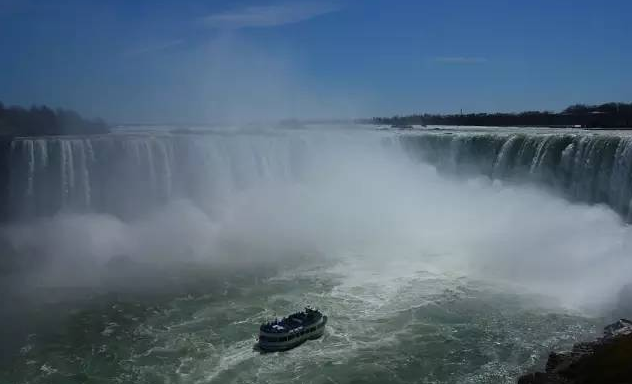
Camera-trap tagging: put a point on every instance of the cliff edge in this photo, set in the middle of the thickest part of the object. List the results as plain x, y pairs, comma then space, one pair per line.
603, 361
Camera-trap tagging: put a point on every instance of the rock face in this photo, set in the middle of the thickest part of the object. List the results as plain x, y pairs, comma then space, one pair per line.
622, 327
605, 360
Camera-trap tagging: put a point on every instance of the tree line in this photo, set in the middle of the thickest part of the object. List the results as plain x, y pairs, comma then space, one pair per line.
42, 120
609, 115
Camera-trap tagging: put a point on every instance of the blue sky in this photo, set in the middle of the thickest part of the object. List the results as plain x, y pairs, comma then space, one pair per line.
205, 61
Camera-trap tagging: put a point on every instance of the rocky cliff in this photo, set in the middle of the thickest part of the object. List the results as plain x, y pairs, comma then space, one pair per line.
603, 361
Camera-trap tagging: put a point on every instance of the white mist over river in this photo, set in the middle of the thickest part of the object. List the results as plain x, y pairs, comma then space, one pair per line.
187, 241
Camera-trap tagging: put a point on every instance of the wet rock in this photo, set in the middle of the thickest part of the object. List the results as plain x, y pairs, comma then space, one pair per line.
542, 378
603, 361
620, 328
557, 361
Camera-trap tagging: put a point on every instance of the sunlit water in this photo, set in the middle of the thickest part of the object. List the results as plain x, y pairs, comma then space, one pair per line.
390, 321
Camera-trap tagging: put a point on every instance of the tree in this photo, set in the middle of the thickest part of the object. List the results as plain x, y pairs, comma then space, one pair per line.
41, 120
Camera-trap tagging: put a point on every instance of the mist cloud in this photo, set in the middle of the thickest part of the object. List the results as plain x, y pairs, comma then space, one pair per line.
356, 199
268, 16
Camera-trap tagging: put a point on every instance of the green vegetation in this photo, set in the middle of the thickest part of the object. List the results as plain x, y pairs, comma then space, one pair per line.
41, 120
609, 115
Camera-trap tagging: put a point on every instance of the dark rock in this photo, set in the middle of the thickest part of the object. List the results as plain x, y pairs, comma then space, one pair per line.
608, 360
542, 378
557, 361
620, 328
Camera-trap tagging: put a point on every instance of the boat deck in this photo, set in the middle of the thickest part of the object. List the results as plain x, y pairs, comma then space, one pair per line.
292, 322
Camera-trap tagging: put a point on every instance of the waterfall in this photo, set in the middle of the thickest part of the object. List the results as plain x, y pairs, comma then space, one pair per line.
592, 168
128, 175
30, 155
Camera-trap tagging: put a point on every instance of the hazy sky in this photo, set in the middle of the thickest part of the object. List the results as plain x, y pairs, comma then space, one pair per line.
215, 60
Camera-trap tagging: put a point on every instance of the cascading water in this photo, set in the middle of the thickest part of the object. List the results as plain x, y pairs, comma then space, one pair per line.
592, 168
127, 175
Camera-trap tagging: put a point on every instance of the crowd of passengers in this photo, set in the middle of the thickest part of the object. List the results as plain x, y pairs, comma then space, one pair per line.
290, 337
286, 322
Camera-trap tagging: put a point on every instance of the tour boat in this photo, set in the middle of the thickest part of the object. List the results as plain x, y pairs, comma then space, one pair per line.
291, 331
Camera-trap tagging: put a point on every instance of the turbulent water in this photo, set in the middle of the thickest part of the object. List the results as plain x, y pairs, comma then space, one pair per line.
151, 257
391, 322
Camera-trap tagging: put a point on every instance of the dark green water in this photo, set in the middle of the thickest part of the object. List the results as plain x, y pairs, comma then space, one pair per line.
390, 321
